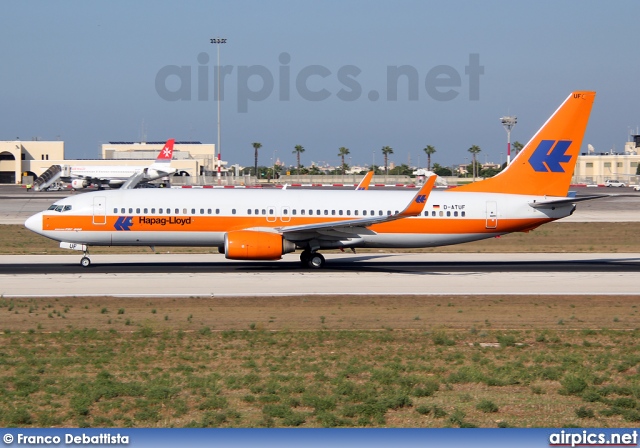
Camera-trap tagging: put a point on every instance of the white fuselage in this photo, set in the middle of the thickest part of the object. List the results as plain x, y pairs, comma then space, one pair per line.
202, 217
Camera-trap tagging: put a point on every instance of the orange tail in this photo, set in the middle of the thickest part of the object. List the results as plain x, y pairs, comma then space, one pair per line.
545, 165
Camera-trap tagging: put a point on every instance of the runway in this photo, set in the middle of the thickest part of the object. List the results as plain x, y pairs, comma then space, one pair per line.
165, 275
368, 273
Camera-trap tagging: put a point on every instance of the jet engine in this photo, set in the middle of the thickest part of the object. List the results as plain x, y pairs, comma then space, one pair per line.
256, 245
79, 183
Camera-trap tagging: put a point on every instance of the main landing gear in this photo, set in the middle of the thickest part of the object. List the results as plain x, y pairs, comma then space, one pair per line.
85, 261
313, 260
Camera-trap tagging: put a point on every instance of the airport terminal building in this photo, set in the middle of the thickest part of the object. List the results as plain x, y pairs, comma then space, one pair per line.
21, 161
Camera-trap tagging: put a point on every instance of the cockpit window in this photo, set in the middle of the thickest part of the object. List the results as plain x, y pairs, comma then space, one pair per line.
66, 208
52, 207
59, 208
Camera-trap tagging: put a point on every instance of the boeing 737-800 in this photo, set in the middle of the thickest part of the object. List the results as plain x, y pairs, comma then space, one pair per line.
265, 224
116, 176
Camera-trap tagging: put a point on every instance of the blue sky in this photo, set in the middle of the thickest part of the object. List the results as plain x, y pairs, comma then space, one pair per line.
86, 72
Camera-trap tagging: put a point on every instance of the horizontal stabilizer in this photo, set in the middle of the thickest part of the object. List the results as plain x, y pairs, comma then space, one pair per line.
563, 201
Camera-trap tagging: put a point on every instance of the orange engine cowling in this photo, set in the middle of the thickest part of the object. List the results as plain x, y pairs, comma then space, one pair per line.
255, 245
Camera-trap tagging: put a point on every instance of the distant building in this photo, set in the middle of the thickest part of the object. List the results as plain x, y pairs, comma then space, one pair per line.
596, 168
19, 159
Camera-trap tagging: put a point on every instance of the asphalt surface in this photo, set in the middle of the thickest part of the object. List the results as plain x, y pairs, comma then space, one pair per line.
211, 275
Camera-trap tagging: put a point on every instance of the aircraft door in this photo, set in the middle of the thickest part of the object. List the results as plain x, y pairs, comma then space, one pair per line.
492, 215
271, 214
285, 214
99, 210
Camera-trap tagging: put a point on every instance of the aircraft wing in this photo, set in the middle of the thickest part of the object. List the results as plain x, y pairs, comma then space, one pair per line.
359, 226
134, 180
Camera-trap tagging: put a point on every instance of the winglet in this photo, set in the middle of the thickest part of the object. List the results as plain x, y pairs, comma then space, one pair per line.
364, 183
418, 202
166, 153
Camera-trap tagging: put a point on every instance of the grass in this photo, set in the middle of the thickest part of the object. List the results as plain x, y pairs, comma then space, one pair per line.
292, 370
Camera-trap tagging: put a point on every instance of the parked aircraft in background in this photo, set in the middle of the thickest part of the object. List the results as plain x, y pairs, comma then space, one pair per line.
265, 224
120, 176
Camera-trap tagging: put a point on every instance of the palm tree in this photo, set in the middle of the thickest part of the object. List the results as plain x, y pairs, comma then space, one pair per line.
343, 152
517, 147
256, 146
429, 150
475, 149
386, 150
299, 150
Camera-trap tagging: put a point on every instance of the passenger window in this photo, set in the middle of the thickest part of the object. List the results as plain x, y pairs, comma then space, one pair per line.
271, 211
122, 211
146, 210
302, 212
462, 214
177, 211
285, 211
326, 212
293, 212
455, 213
160, 211
153, 211
448, 213
433, 213
115, 210
441, 213
348, 212
233, 211
193, 211
364, 213
380, 212
202, 211
248, 211
264, 212
388, 212
208, 211
184, 211
355, 212
373, 212
318, 212
137, 211
333, 212
340, 212
257, 211
130, 210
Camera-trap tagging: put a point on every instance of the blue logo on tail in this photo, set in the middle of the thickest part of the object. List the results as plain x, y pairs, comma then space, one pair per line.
421, 199
547, 157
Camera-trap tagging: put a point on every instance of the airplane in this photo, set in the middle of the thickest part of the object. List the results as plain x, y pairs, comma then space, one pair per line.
121, 176
366, 180
265, 224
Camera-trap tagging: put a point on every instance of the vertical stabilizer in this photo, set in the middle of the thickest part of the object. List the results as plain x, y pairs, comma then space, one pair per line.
546, 164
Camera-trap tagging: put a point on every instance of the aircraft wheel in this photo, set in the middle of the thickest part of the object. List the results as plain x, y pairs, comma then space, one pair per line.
85, 262
315, 261
304, 257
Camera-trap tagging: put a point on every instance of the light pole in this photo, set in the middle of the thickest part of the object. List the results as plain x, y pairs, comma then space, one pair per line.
508, 122
218, 41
